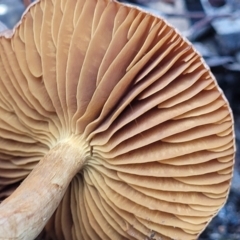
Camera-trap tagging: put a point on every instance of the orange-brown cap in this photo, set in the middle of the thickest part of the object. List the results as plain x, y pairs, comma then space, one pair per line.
158, 130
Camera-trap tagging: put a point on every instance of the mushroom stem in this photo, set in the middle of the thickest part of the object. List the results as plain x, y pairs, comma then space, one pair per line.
24, 214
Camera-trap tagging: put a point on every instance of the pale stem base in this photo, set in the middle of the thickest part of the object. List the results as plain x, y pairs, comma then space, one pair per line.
24, 214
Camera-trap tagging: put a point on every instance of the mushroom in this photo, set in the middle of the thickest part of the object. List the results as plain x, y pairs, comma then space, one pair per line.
111, 127
26, 2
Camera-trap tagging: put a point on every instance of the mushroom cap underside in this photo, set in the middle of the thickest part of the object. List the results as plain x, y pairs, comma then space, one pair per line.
158, 130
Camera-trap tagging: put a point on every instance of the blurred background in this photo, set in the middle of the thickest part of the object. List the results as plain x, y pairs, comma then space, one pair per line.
213, 27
